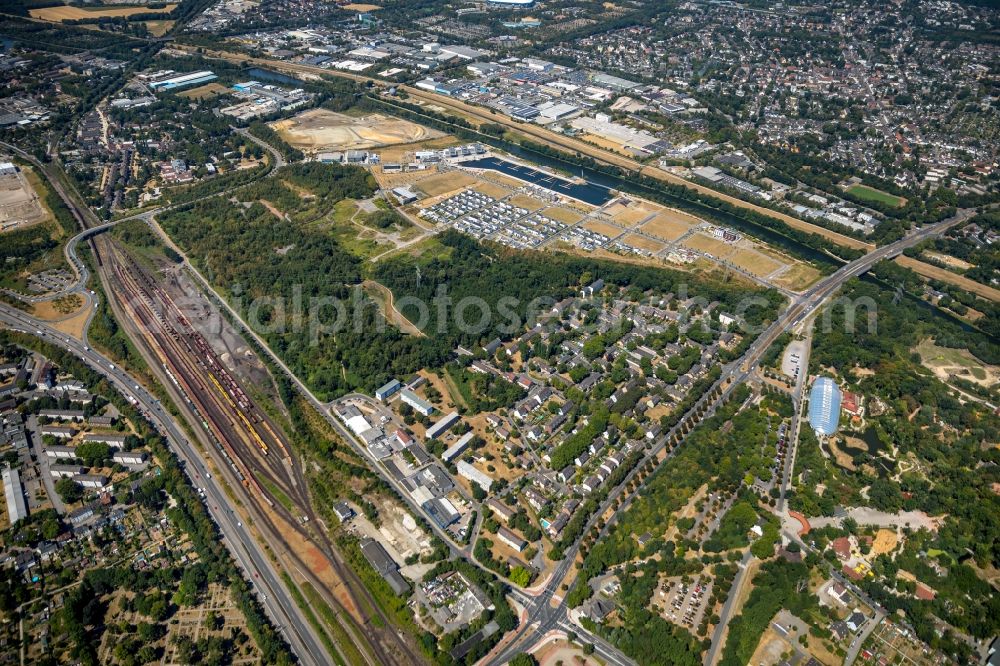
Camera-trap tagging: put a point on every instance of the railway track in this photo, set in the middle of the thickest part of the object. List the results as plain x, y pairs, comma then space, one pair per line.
132, 292
246, 438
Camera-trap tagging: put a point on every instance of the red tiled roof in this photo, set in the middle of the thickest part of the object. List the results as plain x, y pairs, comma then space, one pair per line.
842, 546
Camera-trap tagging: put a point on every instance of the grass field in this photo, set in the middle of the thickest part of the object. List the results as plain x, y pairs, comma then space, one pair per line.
943, 361
159, 28
207, 91
877, 196
73, 13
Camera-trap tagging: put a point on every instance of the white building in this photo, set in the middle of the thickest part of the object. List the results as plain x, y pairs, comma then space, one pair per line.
467, 471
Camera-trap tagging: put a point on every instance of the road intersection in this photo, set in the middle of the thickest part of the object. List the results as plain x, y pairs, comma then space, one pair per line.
545, 610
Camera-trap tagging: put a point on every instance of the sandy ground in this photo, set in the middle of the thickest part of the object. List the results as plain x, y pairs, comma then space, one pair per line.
159, 28
754, 261
885, 542
72, 13
397, 153
524, 201
564, 215
360, 7
318, 130
842, 458
770, 648
944, 362
445, 183
608, 230
491, 190
709, 245
949, 260
797, 277
631, 211
563, 652
71, 326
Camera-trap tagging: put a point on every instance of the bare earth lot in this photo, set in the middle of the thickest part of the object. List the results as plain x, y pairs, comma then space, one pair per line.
73, 13
19, 204
318, 130
668, 225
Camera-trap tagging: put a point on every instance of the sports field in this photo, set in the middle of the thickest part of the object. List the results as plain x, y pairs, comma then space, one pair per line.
876, 196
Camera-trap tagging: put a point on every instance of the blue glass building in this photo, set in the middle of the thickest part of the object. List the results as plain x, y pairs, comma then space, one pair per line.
824, 406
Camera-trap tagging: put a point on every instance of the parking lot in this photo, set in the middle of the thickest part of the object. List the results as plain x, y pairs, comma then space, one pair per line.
684, 605
791, 362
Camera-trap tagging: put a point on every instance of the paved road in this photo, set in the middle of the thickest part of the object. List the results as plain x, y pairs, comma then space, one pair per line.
732, 376
43, 465
86, 220
728, 608
798, 391
257, 568
542, 615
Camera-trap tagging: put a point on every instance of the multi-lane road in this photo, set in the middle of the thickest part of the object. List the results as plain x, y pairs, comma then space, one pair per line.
543, 616
543, 613
257, 568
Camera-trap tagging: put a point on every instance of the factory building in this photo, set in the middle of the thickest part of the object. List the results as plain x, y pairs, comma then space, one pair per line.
182, 80
14, 494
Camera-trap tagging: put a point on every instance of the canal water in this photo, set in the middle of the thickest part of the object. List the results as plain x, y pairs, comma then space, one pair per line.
275, 77
589, 192
597, 187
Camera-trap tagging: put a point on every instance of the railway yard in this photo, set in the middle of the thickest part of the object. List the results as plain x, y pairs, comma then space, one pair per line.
246, 440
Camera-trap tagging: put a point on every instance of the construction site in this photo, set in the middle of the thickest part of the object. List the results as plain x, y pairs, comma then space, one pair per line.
320, 130
19, 203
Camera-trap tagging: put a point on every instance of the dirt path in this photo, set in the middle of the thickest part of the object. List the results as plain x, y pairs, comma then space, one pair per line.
383, 295
937, 273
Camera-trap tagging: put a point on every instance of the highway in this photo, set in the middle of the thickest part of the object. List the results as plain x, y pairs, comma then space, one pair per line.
275, 598
256, 567
542, 614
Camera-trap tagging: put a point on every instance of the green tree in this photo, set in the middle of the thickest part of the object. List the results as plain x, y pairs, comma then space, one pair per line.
69, 490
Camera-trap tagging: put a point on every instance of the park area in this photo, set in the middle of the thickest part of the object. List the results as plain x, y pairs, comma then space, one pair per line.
319, 130
872, 195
